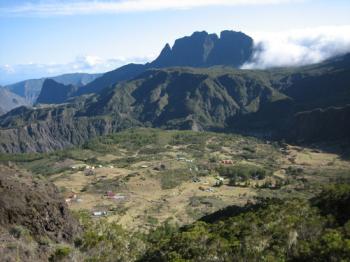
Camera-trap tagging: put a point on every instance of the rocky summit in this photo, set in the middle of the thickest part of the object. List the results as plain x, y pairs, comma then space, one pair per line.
204, 50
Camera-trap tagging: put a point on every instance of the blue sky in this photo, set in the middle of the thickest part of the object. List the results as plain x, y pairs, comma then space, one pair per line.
40, 38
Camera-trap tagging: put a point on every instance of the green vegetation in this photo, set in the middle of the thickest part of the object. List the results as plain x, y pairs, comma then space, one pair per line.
103, 241
61, 253
242, 173
272, 230
136, 145
265, 102
282, 220
173, 178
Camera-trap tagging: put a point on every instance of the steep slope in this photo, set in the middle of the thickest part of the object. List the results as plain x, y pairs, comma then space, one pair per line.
76, 79
9, 100
314, 88
187, 97
169, 98
30, 89
53, 92
277, 104
321, 124
31, 205
110, 78
48, 128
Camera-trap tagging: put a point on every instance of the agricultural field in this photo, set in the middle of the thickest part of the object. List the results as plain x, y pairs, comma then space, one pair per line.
142, 178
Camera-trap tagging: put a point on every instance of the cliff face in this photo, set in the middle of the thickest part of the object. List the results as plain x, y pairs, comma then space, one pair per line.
321, 124
204, 50
48, 129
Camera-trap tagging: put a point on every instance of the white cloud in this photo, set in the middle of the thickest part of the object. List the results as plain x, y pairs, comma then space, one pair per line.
288, 48
299, 47
120, 6
82, 64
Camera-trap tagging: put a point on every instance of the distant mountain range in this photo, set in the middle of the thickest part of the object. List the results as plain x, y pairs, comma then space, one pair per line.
304, 104
29, 90
198, 50
9, 100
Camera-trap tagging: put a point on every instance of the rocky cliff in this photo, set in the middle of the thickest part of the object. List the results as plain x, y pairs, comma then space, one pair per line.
204, 50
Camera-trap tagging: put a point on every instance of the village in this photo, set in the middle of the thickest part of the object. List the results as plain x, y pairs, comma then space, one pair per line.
75, 198
174, 176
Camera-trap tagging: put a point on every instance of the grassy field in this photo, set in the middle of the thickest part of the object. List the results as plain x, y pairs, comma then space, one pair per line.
179, 176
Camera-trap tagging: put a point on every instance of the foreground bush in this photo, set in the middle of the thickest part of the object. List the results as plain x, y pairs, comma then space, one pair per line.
273, 230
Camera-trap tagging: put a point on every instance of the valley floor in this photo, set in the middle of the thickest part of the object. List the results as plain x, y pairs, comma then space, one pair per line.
144, 177
144, 194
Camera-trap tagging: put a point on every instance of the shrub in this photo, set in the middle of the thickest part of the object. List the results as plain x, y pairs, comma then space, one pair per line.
242, 173
19, 231
61, 252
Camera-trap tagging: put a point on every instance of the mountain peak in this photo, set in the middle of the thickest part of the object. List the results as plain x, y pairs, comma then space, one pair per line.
53, 92
202, 49
163, 58
199, 34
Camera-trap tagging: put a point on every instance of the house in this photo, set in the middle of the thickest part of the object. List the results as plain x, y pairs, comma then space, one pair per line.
71, 198
119, 197
78, 166
208, 189
110, 194
227, 162
99, 213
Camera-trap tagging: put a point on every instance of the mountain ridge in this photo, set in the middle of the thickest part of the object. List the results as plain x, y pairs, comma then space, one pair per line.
9, 100
31, 88
208, 50
268, 103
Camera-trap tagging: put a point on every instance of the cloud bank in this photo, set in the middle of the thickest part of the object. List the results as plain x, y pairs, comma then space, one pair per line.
82, 64
84, 7
277, 49
299, 47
